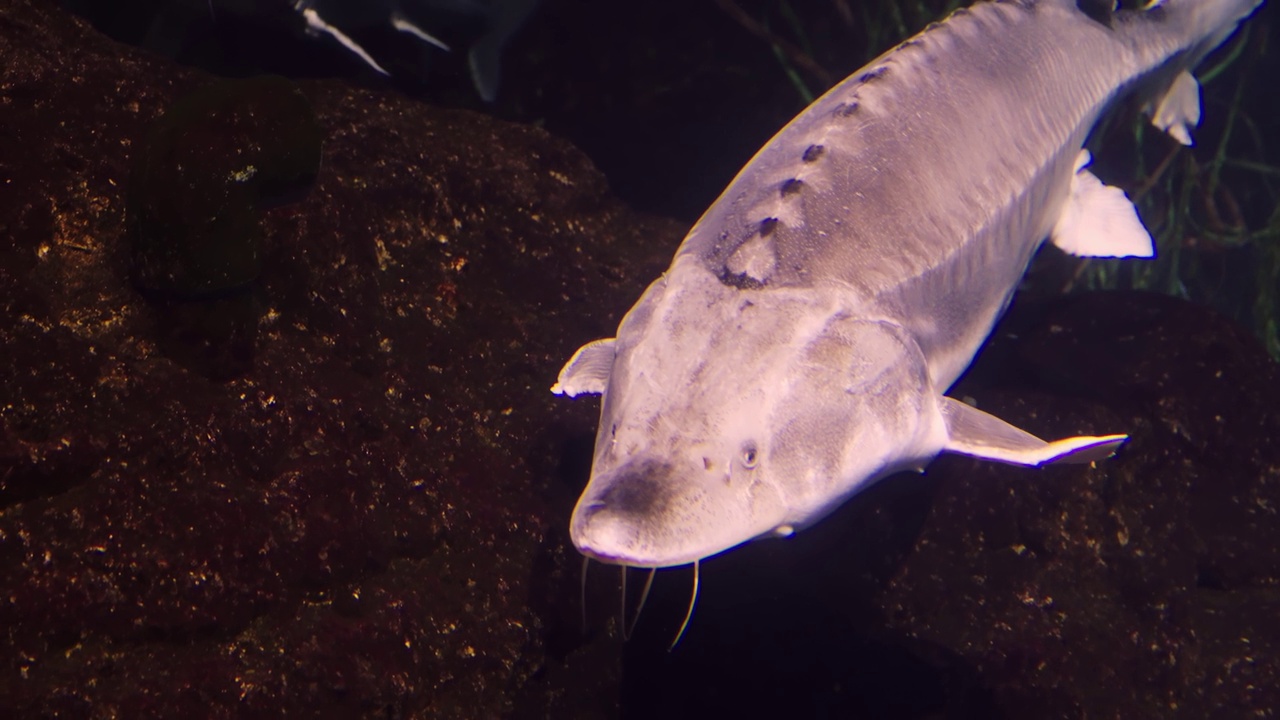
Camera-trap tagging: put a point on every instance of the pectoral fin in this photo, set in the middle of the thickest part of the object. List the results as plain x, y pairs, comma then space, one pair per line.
1178, 109
587, 371
1098, 220
973, 432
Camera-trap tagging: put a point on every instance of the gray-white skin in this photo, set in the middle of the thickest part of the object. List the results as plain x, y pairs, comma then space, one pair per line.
798, 347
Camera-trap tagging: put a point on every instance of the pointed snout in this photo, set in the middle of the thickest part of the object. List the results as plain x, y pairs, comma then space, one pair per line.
603, 533
625, 517
653, 513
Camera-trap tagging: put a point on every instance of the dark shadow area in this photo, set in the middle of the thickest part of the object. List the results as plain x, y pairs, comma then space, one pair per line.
788, 628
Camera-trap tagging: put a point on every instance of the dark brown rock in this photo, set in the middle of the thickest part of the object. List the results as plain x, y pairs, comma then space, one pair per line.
368, 519
1143, 587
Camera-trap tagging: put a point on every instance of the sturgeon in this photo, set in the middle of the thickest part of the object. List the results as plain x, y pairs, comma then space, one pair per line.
799, 345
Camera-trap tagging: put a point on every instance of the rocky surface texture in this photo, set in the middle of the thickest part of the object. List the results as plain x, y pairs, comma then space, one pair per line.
1146, 588
289, 451
292, 459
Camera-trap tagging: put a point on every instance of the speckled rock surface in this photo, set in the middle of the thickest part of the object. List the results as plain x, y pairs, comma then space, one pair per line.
1147, 587
366, 518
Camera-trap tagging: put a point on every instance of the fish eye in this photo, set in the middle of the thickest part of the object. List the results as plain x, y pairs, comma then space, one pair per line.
749, 456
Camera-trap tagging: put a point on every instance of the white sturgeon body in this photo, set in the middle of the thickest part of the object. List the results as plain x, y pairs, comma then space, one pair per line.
799, 345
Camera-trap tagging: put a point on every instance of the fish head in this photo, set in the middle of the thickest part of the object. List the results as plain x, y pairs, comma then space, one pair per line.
732, 414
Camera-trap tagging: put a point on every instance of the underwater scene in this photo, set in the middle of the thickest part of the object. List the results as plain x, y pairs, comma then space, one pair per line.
291, 300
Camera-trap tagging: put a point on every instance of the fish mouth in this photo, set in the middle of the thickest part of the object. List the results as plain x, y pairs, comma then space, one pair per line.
611, 558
